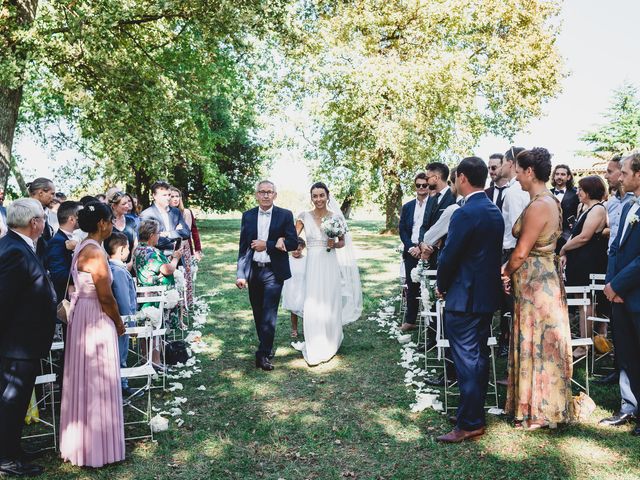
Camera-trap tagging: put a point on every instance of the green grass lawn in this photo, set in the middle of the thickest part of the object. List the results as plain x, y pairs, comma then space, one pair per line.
349, 418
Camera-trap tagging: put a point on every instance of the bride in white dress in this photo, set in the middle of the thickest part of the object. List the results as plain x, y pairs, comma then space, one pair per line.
326, 307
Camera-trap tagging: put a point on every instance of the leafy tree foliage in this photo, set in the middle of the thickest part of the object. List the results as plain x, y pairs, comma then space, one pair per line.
403, 83
154, 89
621, 132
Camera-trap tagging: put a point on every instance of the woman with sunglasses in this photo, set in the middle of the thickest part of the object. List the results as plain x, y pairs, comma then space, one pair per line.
120, 204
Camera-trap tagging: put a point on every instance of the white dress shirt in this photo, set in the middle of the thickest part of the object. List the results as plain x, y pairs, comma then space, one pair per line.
28, 240
442, 192
165, 219
418, 218
441, 227
614, 211
632, 211
559, 193
264, 223
515, 201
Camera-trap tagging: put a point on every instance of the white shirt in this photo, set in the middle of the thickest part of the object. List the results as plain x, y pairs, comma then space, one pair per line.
466, 198
441, 227
165, 219
264, 223
28, 240
3, 227
632, 211
442, 192
418, 217
515, 201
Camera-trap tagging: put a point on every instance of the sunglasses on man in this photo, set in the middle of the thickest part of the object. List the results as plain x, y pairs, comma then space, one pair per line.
421, 185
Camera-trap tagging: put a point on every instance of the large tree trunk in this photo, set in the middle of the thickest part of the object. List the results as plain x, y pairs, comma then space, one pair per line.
392, 201
9, 106
11, 95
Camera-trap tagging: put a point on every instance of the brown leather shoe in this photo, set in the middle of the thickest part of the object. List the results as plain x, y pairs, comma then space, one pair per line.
406, 327
457, 435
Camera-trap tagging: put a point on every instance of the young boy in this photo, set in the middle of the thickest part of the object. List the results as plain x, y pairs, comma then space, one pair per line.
124, 290
293, 289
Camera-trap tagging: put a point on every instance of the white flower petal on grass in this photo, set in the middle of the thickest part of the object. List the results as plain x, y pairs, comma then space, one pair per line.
201, 387
179, 422
159, 424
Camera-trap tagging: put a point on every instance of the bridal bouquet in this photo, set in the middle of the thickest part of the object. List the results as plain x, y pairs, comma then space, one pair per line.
333, 227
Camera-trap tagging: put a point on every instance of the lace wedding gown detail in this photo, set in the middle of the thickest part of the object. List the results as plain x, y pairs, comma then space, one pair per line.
323, 298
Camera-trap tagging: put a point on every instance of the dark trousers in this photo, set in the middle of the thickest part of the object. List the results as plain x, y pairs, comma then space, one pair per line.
468, 334
17, 378
413, 290
264, 294
626, 340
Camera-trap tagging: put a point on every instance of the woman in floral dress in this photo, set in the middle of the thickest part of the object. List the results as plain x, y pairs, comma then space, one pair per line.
540, 363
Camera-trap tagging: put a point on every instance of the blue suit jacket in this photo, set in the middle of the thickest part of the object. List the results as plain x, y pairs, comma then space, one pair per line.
623, 269
179, 230
123, 288
469, 264
58, 262
405, 226
281, 226
28, 301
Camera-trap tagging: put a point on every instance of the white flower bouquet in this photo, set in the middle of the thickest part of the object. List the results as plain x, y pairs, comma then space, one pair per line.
172, 298
178, 278
333, 227
152, 315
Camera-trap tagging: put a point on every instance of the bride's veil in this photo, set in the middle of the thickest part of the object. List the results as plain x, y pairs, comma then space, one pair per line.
350, 275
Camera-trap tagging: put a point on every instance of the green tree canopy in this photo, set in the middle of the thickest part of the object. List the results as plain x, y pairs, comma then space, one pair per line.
403, 83
620, 133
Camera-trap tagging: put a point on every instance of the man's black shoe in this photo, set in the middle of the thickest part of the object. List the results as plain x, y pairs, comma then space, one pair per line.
611, 379
272, 355
264, 364
18, 468
617, 419
437, 381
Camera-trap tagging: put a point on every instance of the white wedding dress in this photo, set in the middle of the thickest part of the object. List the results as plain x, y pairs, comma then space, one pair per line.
323, 304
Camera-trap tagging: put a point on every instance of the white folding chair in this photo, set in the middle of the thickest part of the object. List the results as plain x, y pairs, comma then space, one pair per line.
450, 389
597, 285
144, 372
582, 299
155, 295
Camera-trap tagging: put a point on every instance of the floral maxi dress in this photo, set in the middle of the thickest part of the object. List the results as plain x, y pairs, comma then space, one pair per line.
540, 358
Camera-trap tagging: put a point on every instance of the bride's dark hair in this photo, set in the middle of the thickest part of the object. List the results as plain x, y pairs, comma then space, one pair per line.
319, 185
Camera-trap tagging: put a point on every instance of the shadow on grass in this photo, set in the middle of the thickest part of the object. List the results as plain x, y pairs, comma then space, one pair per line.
345, 419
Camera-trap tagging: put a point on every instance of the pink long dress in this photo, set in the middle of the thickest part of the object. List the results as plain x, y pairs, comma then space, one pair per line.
91, 417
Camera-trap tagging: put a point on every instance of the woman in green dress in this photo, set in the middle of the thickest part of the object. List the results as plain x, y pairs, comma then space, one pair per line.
540, 362
153, 268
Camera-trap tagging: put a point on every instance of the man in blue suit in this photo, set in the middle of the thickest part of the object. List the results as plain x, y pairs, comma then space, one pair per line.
59, 248
622, 286
27, 322
172, 224
469, 280
267, 233
411, 220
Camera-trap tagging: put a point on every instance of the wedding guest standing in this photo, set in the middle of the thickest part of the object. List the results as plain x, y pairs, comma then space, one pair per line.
622, 287
43, 190
170, 220
411, 220
441, 198
120, 204
28, 303
498, 181
188, 252
469, 280
91, 417
586, 250
567, 195
540, 362
514, 201
60, 247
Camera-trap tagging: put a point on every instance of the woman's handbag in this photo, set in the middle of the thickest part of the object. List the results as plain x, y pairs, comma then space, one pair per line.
62, 312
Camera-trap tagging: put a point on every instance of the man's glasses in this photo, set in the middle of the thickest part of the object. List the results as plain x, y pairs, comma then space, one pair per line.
421, 185
265, 193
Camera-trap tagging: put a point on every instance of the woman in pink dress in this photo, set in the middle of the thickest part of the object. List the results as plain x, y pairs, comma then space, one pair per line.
91, 417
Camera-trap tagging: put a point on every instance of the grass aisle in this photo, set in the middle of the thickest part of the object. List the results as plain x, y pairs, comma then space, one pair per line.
349, 418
